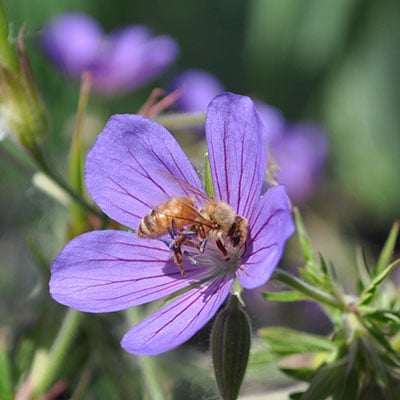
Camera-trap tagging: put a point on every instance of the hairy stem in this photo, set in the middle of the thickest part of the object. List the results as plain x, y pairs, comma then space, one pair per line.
303, 287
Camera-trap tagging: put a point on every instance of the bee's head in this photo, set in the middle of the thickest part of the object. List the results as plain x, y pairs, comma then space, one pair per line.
238, 231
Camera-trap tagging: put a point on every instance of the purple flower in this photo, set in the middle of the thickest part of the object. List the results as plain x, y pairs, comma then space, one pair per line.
120, 62
136, 165
198, 88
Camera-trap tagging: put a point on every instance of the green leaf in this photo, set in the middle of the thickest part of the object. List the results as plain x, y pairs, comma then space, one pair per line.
324, 382
304, 240
284, 341
333, 380
310, 272
362, 268
369, 293
386, 317
284, 296
388, 248
379, 336
301, 374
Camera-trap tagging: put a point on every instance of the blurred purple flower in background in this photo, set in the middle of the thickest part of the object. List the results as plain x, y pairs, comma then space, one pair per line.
119, 62
136, 165
300, 149
197, 88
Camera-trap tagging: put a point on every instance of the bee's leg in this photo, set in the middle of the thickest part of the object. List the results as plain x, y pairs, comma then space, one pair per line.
173, 228
188, 234
202, 237
178, 257
202, 245
176, 247
221, 246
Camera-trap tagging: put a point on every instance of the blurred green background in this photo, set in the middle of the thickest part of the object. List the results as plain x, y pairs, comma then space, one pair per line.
335, 62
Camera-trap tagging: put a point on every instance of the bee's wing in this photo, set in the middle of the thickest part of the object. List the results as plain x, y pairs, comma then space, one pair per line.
193, 215
184, 188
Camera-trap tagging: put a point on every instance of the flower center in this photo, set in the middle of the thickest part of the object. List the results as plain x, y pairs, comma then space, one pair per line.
209, 255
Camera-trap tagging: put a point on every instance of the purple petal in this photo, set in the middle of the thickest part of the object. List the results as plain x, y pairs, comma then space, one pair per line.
104, 271
72, 41
135, 165
132, 58
177, 322
237, 151
270, 226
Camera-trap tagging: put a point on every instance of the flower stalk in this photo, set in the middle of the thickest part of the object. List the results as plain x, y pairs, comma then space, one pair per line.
147, 365
46, 371
42, 164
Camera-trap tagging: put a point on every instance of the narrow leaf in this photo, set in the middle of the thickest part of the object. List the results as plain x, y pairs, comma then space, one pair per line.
388, 248
326, 381
284, 296
284, 341
301, 374
304, 240
363, 271
379, 336
369, 293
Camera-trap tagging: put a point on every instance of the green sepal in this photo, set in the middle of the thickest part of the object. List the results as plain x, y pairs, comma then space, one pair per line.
285, 341
21, 105
181, 292
208, 181
230, 348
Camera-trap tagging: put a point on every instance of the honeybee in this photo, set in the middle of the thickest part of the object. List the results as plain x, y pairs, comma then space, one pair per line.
185, 222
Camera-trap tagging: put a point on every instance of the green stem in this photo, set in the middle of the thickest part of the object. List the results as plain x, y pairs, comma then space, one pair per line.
147, 365
6, 383
43, 166
43, 378
8, 55
307, 289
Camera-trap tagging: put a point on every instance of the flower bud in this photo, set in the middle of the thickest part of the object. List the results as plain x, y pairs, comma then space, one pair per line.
22, 113
230, 347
